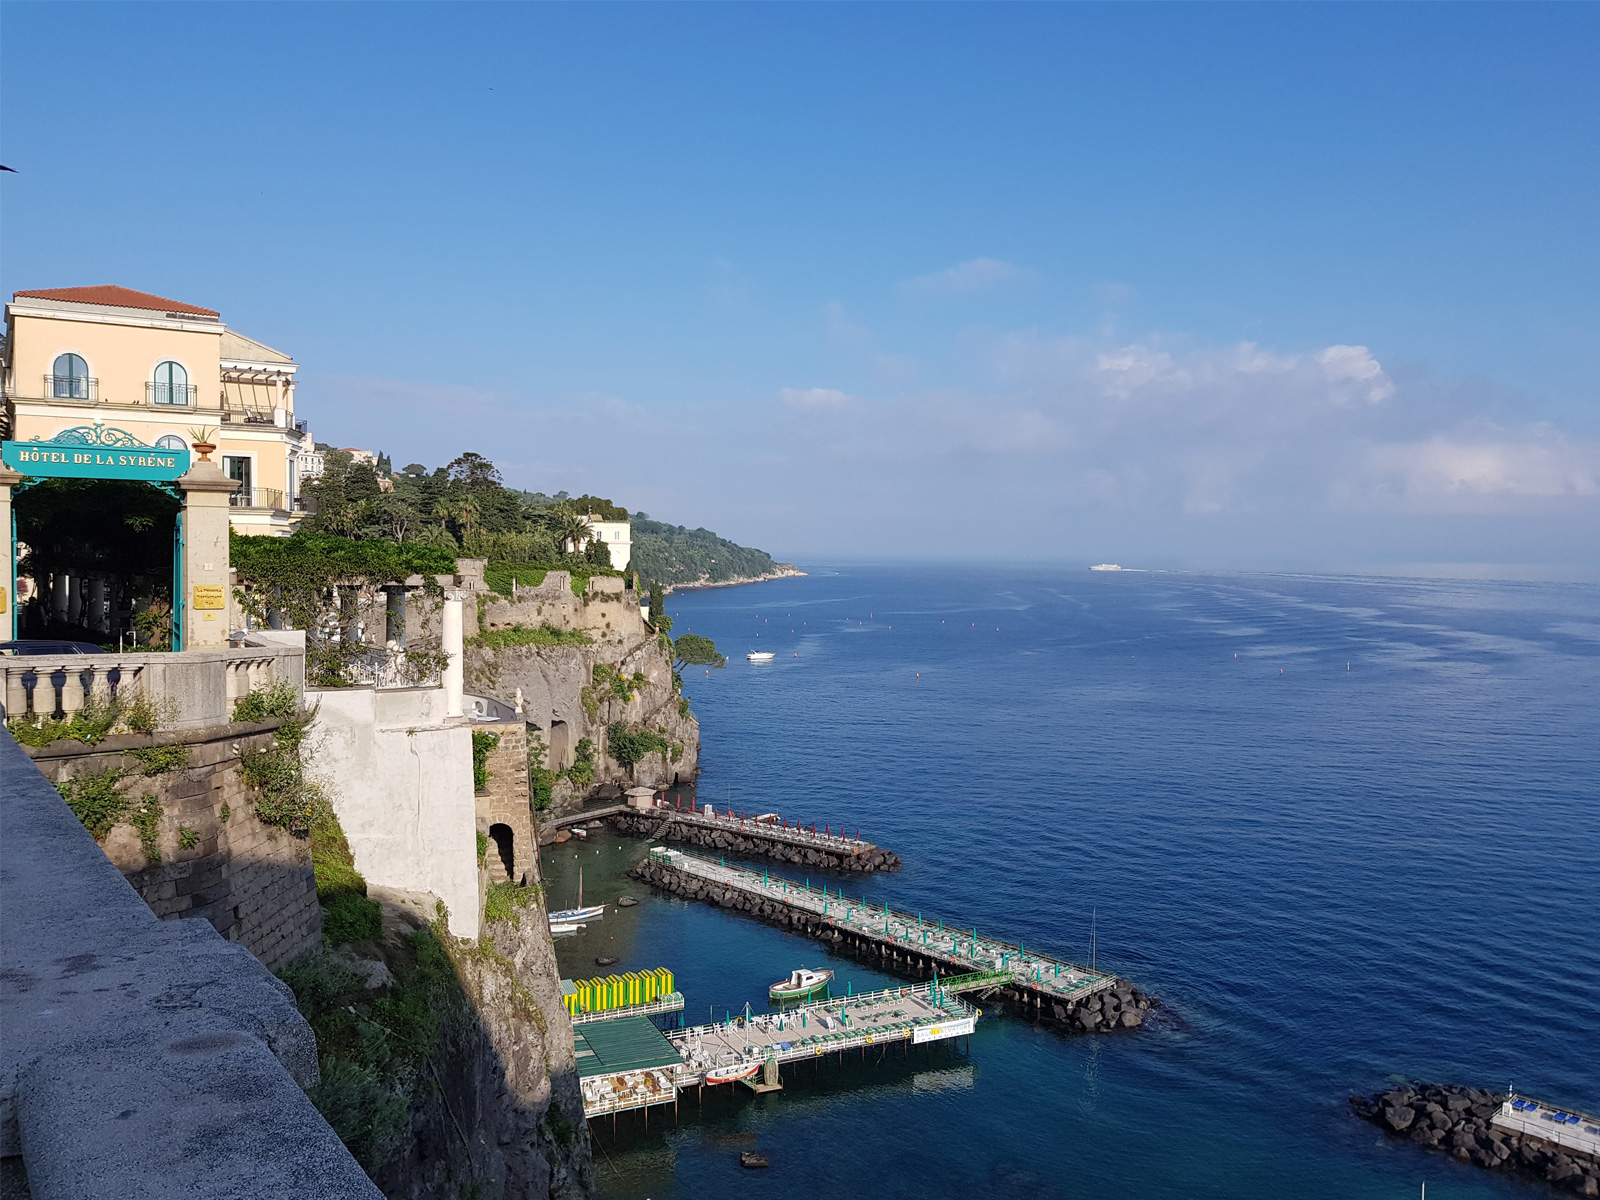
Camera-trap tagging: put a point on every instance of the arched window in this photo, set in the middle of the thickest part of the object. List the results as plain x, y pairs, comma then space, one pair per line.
69, 378
171, 385
170, 441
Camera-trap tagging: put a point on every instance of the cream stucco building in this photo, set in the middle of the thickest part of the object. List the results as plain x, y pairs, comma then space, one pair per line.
164, 372
616, 536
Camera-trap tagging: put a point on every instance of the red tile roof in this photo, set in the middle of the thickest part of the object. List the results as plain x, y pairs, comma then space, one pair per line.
119, 297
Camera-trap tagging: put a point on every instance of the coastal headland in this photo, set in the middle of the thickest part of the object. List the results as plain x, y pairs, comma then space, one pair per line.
1462, 1122
782, 571
1104, 1004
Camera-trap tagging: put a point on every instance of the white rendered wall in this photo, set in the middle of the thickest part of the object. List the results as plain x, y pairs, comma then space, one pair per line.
400, 779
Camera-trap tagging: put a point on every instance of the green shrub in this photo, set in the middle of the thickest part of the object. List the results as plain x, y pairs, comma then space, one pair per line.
347, 914
188, 838
263, 704
369, 1116
90, 724
581, 772
483, 744
95, 800
349, 917
528, 635
557, 1125
498, 575
158, 760
506, 899
628, 746
146, 819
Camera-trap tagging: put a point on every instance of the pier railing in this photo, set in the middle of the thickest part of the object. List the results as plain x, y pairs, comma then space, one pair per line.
672, 1002
961, 947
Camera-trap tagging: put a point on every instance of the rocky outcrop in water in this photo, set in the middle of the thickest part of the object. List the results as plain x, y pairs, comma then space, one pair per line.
1123, 1007
660, 826
1456, 1121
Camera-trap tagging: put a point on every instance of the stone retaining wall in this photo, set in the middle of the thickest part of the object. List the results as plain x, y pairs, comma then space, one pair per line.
661, 826
1457, 1121
252, 882
1123, 1007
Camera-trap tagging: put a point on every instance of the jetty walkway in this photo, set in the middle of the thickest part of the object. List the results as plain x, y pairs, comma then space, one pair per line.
916, 1013
906, 940
627, 1064
766, 835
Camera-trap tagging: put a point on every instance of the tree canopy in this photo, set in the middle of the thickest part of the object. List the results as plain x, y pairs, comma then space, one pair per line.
692, 650
464, 508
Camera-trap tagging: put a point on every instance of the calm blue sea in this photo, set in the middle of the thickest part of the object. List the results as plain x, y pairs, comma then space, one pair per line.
1346, 828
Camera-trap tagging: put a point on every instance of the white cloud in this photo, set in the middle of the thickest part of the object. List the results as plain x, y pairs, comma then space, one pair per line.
813, 398
1453, 468
974, 275
1354, 365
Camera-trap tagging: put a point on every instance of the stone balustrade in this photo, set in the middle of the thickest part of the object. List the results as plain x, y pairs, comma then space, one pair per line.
191, 689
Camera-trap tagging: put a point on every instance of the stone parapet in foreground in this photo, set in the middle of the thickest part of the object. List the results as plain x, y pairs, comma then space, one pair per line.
141, 1058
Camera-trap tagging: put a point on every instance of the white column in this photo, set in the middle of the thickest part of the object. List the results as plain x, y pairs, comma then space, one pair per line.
58, 594
454, 677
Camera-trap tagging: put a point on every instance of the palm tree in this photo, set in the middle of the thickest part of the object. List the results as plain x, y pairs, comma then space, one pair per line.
574, 531
466, 510
445, 510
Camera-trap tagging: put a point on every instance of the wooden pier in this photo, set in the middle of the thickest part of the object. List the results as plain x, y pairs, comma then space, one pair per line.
898, 940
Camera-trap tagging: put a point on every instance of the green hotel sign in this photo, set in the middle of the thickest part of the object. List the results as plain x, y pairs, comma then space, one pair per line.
95, 452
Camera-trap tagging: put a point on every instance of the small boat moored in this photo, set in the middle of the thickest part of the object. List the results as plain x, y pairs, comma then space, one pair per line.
760, 656
732, 1074
802, 984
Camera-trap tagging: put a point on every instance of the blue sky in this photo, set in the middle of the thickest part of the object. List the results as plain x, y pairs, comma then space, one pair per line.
1245, 285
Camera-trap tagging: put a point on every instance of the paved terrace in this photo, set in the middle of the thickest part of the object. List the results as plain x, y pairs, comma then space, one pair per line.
1564, 1126
960, 949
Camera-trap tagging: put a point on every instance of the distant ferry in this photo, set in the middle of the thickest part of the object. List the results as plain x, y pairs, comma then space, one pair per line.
760, 656
1115, 567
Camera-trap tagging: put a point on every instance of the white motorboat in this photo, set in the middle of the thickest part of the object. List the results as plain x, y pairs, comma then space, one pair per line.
556, 930
760, 656
1105, 567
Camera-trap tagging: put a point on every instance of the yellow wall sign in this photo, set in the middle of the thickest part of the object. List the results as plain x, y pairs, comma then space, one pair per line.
209, 595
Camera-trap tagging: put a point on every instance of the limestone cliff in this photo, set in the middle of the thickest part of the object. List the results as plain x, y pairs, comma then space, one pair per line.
503, 1117
621, 674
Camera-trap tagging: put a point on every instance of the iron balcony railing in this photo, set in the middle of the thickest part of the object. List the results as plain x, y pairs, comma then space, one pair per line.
170, 395
256, 497
71, 387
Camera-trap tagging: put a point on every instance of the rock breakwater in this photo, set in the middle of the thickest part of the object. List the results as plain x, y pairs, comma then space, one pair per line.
1122, 1007
1457, 1121
662, 826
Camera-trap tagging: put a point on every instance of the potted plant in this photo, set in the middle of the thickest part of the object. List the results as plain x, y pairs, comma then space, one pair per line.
200, 439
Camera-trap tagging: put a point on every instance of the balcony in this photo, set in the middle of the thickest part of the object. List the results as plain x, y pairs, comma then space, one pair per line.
71, 387
170, 395
257, 497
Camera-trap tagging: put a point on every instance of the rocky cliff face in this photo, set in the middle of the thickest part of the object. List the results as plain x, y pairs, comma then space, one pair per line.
504, 1119
623, 675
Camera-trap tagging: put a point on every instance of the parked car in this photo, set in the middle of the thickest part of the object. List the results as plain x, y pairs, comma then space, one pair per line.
42, 647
